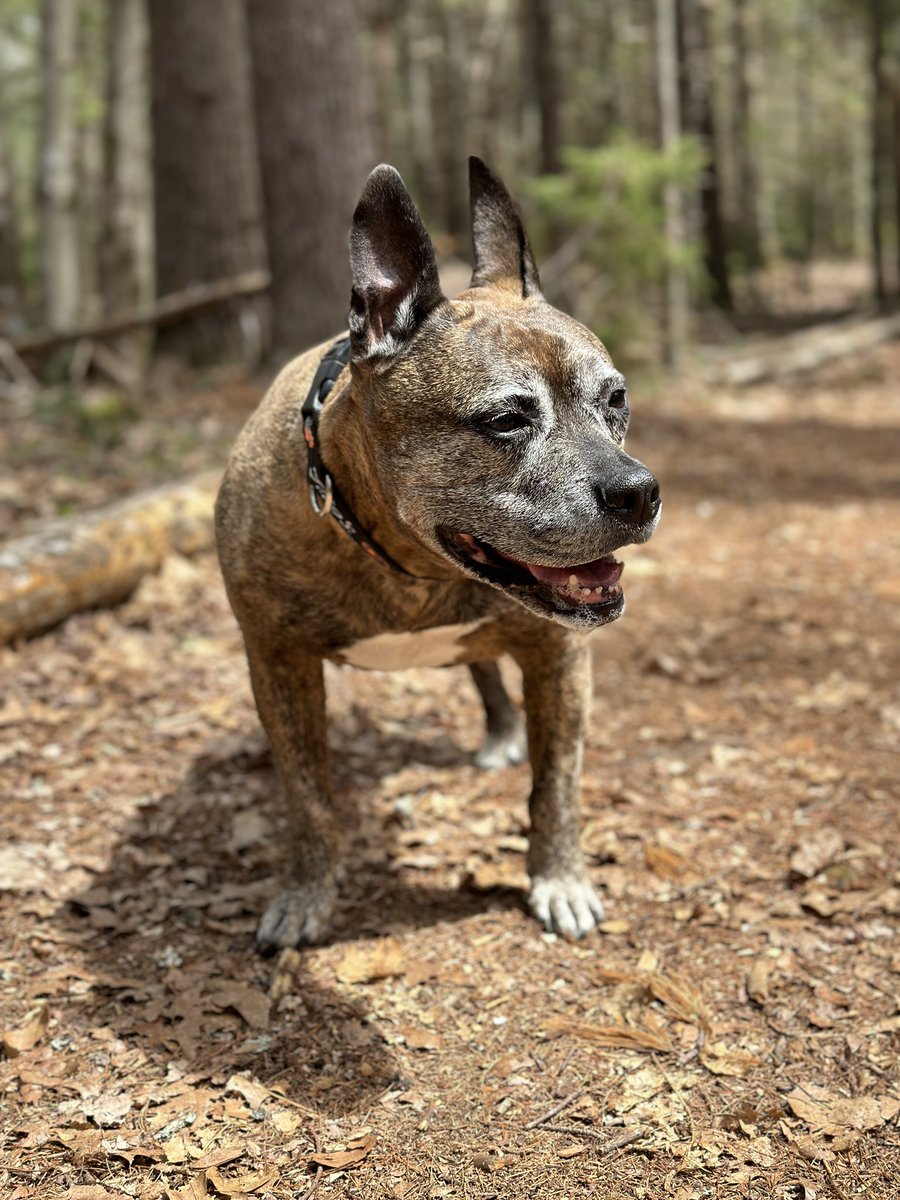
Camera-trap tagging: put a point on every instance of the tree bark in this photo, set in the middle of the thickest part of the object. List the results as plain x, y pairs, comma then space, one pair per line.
10, 272
208, 202
125, 249
314, 132
676, 294
697, 108
545, 73
747, 175
59, 261
876, 66
96, 560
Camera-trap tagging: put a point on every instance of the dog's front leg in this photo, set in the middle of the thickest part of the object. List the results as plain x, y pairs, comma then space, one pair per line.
556, 674
290, 694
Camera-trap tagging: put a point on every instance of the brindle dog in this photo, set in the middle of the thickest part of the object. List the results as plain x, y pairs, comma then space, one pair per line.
478, 443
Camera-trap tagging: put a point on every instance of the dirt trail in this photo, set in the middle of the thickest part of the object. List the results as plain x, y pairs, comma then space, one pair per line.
733, 1031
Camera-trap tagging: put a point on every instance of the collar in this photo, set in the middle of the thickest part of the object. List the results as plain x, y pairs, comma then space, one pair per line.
324, 494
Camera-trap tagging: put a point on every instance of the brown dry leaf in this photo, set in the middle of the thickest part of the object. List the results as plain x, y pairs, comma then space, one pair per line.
422, 1039
251, 1003
817, 851
108, 1109
723, 1060
628, 1037
195, 1189
91, 1191
670, 865
241, 1185
833, 1115
339, 1160
757, 981
570, 1151
251, 1089
217, 1158
18, 1041
760, 1151
364, 964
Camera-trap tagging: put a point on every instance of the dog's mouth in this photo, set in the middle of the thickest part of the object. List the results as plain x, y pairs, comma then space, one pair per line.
591, 590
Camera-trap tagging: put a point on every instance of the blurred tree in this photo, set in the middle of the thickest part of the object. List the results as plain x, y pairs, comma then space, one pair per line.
10, 273
545, 73
696, 105
208, 204
677, 305
124, 252
876, 9
57, 167
315, 145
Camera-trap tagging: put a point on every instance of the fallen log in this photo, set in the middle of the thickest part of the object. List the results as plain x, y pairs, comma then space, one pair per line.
167, 308
96, 560
798, 352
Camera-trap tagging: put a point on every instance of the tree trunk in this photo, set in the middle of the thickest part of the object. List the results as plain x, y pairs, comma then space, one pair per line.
676, 294
10, 275
697, 108
208, 202
743, 141
96, 560
313, 128
896, 108
876, 63
124, 252
545, 73
57, 167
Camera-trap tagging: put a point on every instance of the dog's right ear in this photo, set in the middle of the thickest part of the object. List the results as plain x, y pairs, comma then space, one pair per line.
395, 276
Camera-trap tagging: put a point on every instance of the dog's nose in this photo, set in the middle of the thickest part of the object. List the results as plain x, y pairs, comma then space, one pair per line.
633, 497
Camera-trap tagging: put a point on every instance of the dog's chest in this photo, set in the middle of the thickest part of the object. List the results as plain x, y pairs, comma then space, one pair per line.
441, 646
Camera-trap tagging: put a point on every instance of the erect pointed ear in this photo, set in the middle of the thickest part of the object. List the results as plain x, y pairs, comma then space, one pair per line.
500, 244
395, 276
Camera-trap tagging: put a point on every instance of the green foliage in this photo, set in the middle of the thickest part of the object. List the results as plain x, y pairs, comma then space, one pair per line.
614, 194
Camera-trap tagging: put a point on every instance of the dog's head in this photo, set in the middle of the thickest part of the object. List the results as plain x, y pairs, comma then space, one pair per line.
497, 422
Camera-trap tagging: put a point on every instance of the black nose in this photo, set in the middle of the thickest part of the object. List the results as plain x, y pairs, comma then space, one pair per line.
633, 497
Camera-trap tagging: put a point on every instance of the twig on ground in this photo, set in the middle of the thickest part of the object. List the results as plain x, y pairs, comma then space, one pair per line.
555, 1110
608, 1144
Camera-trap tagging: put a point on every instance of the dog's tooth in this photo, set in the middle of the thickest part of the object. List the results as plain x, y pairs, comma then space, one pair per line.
585, 591
573, 581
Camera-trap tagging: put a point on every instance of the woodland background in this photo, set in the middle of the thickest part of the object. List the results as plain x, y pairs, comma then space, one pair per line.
677, 160
713, 186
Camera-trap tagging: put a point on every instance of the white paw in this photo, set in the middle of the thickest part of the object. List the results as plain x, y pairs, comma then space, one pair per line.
565, 904
502, 750
298, 916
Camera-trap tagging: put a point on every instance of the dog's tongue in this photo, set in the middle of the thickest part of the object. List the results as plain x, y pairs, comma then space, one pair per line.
602, 573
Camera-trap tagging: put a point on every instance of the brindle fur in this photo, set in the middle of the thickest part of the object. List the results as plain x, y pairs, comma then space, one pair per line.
397, 435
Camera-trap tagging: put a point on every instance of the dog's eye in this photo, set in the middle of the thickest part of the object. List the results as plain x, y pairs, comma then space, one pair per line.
618, 399
507, 422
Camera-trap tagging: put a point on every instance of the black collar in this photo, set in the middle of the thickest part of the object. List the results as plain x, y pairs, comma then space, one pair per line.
324, 494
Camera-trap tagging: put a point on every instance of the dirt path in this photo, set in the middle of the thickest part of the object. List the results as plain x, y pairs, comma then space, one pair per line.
734, 1030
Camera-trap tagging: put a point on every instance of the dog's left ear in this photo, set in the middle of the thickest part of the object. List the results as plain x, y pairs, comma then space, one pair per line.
500, 245
395, 276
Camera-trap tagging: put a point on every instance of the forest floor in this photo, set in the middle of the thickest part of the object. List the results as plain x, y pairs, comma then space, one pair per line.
732, 1031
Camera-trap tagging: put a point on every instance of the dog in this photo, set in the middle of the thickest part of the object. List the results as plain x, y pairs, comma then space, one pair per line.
445, 485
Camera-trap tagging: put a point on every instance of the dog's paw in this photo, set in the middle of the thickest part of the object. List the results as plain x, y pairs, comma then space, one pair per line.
567, 904
500, 750
297, 916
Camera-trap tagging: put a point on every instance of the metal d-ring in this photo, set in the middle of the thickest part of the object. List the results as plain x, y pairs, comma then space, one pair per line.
323, 509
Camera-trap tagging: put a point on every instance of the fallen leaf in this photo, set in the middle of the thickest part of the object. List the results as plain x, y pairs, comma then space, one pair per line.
253, 1092
722, 1060
670, 865
757, 981
831, 1114
338, 1160
817, 851
241, 1185
17, 1041
195, 1189
364, 964
249, 1002
423, 1039
108, 1109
